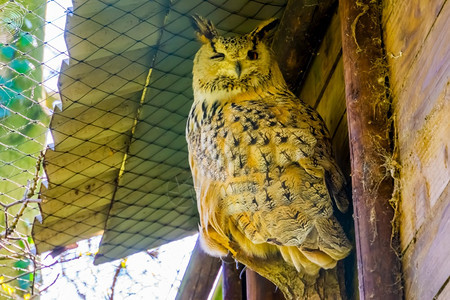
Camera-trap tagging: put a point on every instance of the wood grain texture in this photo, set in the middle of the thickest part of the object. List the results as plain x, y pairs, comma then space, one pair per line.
419, 60
259, 288
323, 65
426, 263
200, 275
444, 293
341, 146
332, 104
422, 106
367, 111
300, 33
233, 286
406, 25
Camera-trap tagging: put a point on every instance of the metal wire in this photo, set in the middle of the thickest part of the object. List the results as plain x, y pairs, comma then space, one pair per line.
92, 141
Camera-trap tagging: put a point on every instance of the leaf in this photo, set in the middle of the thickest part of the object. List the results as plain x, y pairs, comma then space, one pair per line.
7, 52
25, 41
21, 66
22, 265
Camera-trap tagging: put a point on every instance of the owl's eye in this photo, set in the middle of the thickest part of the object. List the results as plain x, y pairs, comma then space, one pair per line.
252, 55
218, 56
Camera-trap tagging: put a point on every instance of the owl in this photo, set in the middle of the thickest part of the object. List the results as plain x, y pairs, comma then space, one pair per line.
266, 182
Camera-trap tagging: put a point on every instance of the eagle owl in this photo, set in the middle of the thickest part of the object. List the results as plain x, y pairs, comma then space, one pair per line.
264, 175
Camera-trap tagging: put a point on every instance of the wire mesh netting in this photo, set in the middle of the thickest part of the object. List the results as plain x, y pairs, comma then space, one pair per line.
93, 162
24, 117
151, 274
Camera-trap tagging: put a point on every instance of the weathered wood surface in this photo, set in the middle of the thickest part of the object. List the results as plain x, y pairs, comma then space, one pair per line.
426, 261
367, 111
299, 35
259, 288
418, 50
200, 275
323, 88
444, 293
406, 25
332, 104
323, 65
421, 93
233, 286
341, 147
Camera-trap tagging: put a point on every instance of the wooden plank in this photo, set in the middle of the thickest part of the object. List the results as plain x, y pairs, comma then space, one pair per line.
422, 110
425, 171
80, 169
444, 294
92, 193
426, 261
90, 82
259, 288
233, 286
323, 63
81, 159
406, 25
429, 76
332, 104
200, 275
341, 147
115, 114
368, 131
65, 231
113, 29
299, 35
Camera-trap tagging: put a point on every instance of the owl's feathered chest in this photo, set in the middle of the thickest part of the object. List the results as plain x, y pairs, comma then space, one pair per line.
256, 136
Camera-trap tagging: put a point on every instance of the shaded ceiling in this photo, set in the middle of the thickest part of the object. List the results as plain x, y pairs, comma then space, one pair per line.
119, 163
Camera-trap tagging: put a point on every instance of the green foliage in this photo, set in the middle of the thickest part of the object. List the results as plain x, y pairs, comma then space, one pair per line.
24, 120
22, 267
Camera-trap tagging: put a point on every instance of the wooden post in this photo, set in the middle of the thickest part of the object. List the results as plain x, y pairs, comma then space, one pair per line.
233, 285
200, 275
259, 288
368, 109
298, 37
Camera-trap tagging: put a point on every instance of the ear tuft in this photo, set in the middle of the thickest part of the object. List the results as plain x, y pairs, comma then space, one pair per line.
265, 29
204, 28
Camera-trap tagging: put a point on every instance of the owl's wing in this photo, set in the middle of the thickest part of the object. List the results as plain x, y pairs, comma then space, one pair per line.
260, 178
295, 214
211, 231
281, 182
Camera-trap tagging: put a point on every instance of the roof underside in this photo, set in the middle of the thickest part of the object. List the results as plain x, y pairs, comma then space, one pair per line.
119, 163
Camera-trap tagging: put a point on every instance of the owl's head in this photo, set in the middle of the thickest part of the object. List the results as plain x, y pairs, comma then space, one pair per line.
235, 64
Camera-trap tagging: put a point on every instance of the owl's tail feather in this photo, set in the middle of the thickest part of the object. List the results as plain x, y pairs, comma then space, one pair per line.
307, 260
295, 257
332, 239
319, 258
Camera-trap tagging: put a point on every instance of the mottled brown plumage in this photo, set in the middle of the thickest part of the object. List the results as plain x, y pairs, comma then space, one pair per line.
261, 160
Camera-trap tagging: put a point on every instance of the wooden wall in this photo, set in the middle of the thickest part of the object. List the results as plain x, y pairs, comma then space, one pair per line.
323, 89
417, 40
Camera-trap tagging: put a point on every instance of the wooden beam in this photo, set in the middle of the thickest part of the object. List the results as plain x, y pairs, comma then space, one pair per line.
200, 275
259, 288
299, 36
368, 109
233, 286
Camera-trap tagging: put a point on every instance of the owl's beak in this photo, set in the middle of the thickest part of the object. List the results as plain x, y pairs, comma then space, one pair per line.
238, 69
